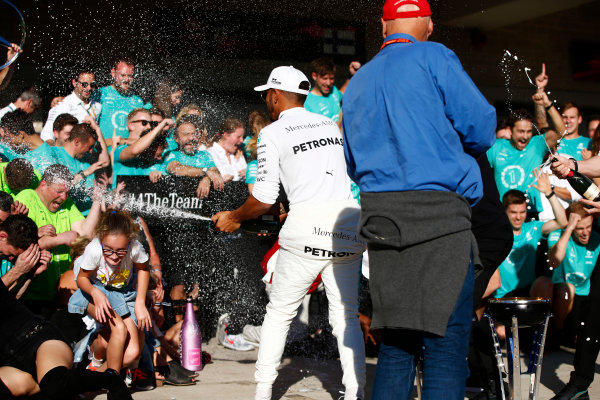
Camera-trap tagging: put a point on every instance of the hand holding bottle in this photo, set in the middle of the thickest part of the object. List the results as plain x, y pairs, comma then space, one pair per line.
561, 166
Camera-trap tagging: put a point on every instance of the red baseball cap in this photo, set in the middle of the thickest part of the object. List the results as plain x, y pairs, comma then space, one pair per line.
390, 9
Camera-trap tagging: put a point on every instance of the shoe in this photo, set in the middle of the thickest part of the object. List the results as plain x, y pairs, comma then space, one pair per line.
571, 392
117, 389
236, 342
251, 334
91, 367
174, 365
143, 380
174, 376
222, 325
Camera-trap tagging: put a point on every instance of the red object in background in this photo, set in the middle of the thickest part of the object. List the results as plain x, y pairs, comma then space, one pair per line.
267, 257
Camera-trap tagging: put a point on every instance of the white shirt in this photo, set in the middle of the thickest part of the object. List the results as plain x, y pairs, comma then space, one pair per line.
70, 105
547, 214
305, 152
116, 277
227, 165
9, 108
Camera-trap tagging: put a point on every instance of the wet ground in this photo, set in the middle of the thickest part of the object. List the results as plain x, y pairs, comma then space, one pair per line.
231, 377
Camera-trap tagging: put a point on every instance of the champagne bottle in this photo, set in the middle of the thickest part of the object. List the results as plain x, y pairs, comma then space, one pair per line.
583, 185
191, 340
265, 224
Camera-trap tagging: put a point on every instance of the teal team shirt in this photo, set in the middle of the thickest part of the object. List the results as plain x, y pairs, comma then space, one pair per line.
573, 147
7, 153
42, 157
202, 159
518, 270
135, 166
115, 108
513, 169
251, 170
579, 262
329, 106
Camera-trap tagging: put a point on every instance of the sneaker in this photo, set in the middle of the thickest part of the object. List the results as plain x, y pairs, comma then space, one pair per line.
143, 380
251, 334
174, 365
571, 392
117, 389
236, 342
175, 377
222, 327
91, 367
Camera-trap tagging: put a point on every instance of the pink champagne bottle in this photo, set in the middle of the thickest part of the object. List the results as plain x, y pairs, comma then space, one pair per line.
191, 340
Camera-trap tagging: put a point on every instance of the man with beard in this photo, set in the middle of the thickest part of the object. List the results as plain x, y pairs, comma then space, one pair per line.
187, 160
117, 100
78, 104
513, 160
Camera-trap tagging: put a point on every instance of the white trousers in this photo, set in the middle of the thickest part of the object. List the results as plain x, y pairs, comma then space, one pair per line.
291, 280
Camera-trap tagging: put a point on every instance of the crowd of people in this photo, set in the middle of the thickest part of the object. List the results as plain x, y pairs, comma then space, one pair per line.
82, 275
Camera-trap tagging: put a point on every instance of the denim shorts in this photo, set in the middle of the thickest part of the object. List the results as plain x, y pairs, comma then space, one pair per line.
122, 301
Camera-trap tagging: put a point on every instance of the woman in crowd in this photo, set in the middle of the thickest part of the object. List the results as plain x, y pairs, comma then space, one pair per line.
167, 97
225, 150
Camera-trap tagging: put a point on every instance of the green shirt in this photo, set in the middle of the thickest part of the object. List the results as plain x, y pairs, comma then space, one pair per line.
329, 106
579, 262
7, 153
44, 286
4, 186
518, 270
42, 157
202, 159
513, 169
573, 147
135, 166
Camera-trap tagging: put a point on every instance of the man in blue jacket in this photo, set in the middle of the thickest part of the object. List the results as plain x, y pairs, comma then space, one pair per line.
413, 124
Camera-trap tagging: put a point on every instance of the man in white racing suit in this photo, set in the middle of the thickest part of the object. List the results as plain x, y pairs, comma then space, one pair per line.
304, 151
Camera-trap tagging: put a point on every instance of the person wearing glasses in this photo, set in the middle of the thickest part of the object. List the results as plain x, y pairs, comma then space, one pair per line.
142, 152
104, 275
50, 204
79, 103
117, 99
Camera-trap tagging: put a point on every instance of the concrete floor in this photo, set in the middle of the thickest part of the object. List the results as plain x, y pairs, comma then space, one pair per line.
231, 377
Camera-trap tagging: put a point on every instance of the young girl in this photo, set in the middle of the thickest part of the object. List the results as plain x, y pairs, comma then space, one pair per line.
103, 274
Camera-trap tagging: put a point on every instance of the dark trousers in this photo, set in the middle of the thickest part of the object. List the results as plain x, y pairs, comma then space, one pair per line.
588, 341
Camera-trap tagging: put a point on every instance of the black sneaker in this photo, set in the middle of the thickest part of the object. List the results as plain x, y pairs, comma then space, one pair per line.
117, 389
176, 366
174, 376
571, 392
142, 380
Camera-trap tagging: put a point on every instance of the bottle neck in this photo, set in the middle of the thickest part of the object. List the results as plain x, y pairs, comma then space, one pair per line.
571, 173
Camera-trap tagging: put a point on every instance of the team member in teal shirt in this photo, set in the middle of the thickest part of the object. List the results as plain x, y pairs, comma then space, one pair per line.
513, 160
573, 253
187, 160
324, 98
573, 144
144, 156
517, 272
117, 101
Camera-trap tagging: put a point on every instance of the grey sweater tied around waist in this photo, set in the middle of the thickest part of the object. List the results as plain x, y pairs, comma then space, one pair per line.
420, 245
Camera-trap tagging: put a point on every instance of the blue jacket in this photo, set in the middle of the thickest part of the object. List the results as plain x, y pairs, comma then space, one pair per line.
414, 120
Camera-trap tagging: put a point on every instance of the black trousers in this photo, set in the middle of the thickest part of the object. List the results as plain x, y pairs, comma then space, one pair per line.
588, 341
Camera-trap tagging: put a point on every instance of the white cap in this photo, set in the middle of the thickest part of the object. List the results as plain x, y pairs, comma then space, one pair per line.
288, 79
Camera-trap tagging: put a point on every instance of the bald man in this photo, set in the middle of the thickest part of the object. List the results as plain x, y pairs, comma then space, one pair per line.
417, 183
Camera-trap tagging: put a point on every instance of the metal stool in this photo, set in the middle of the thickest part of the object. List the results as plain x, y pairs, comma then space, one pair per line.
515, 312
